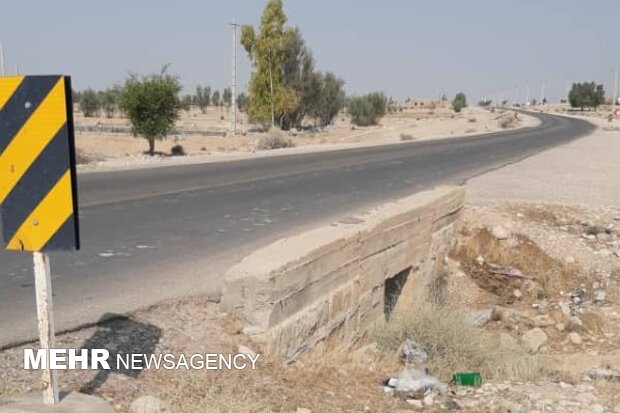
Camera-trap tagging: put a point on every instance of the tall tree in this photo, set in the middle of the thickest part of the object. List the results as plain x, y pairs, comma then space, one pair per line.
152, 104
270, 98
242, 102
298, 74
203, 97
331, 98
215, 98
587, 94
109, 101
227, 97
89, 103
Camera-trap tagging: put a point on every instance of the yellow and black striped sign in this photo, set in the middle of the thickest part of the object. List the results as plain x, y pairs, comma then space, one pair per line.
38, 187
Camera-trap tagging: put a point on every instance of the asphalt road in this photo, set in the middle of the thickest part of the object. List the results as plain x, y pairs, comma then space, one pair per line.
150, 235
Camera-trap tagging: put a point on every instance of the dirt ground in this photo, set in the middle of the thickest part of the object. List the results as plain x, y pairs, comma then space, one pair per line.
100, 149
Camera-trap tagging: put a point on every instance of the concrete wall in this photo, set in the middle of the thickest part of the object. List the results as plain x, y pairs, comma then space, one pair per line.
327, 287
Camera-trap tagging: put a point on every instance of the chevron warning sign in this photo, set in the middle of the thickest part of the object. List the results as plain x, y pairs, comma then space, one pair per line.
38, 187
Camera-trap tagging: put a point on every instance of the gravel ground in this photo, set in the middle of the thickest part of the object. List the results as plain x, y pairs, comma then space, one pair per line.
585, 172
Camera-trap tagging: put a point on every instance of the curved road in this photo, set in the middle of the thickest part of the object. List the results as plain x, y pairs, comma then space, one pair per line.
155, 234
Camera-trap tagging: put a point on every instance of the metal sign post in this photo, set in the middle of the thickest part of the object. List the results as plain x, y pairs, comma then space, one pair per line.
45, 315
38, 187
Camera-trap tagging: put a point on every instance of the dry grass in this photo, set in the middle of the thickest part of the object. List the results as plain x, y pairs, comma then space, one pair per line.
507, 121
274, 139
406, 137
592, 323
453, 344
549, 275
81, 158
333, 382
543, 215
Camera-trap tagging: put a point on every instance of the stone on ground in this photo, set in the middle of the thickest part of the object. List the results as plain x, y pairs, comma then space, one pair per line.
500, 233
575, 338
534, 339
148, 404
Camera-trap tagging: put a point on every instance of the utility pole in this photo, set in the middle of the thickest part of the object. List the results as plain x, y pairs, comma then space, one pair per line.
615, 102
1, 59
233, 88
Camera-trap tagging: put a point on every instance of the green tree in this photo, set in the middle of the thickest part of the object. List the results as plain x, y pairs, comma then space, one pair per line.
368, 109
89, 103
331, 98
587, 94
152, 105
299, 75
459, 102
270, 98
215, 98
109, 99
202, 97
76, 96
188, 101
242, 102
227, 97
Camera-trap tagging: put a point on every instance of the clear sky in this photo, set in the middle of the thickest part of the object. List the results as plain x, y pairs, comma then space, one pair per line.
403, 47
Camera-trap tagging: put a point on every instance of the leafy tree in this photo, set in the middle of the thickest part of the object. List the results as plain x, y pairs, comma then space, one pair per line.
504, 102
270, 98
242, 102
544, 101
215, 98
202, 97
459, 102
227, 97
152, 105
368, 109
109, 101
485, 102
89, 103
188, 101
76, 96
587, 94
299, 75
331, 98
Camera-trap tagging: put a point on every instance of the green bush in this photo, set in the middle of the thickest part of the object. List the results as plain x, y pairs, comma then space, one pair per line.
459, 102
177, 150
367, 110
89, 103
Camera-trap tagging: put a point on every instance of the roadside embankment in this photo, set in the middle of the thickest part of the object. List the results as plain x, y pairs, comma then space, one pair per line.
328, 286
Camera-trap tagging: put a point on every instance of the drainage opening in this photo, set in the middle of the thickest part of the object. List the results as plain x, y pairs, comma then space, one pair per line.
392, 289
